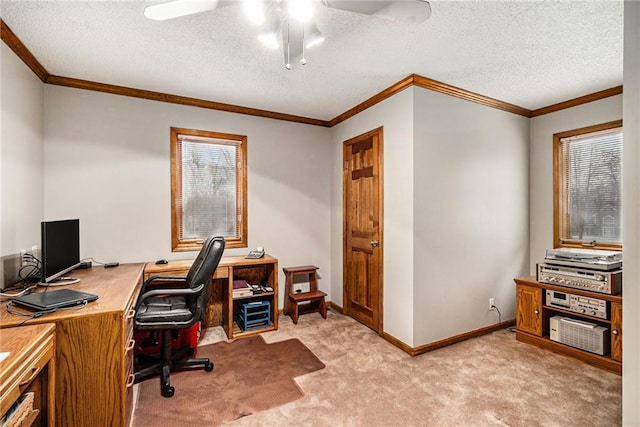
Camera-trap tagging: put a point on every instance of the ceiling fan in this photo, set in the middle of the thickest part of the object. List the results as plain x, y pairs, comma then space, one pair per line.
290, 23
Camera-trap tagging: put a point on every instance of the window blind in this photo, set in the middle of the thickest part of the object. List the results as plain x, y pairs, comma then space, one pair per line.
591, 169
209, 190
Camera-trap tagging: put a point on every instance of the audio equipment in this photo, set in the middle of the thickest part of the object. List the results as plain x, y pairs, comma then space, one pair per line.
580, 334
584, 258
604, 282
576, 303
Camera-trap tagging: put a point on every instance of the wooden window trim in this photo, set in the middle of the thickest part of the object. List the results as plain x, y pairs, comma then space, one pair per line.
184, 245
559, 185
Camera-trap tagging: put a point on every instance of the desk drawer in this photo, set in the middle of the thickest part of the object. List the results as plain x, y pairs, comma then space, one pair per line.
25, 373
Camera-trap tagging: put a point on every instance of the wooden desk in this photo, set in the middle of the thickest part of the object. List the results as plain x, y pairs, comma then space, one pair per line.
94, 348
30, 367
222, 306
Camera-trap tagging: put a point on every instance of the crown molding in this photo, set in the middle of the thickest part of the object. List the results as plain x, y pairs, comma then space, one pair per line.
176, 99
379, 97
436, 86
427, 83
14, 43
577, 101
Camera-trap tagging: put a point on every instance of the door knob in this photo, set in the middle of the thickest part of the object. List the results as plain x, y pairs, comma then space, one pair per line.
374, 243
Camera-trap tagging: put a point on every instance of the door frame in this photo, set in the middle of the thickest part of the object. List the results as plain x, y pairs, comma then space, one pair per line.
377, 132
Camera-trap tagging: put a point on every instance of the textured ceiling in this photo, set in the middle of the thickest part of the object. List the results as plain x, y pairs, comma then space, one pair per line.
528, 53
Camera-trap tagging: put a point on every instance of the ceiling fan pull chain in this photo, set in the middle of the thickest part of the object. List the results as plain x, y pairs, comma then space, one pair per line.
288, 64
303, 61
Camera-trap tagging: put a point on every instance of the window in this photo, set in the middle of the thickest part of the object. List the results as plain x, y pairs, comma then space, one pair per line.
208, 188
588, 187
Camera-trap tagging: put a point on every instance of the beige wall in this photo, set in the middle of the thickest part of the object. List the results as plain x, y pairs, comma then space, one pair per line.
21, 162
470, 214
107, 163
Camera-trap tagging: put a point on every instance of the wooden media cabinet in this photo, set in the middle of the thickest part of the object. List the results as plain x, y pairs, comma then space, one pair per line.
533, 316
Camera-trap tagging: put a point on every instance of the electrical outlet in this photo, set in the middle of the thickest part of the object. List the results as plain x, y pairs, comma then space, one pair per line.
492, 303
26, 257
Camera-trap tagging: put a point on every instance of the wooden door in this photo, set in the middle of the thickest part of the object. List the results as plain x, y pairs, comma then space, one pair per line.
529, 310
362, 234
616, 331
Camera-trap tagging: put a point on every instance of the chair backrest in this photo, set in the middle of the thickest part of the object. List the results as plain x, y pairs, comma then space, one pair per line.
203, 267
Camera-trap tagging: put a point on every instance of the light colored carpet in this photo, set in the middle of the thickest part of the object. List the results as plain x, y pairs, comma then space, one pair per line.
486, 381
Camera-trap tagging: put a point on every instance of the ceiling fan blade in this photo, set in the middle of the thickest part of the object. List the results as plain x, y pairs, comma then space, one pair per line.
406, 11
178, 8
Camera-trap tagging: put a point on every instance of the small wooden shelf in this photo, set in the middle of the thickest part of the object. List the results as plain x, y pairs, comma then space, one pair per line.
303, 302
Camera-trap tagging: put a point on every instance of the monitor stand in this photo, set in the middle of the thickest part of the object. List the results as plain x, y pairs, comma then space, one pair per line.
61, 281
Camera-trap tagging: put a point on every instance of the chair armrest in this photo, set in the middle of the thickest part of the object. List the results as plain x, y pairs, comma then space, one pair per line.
165, 278
155, 292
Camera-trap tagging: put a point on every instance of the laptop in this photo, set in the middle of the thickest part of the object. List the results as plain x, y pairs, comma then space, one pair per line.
51, 300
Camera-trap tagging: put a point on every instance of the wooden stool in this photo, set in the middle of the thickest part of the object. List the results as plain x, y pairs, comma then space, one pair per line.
312, 301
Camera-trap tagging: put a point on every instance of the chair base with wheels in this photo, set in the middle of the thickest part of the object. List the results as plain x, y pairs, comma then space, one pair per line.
169, 361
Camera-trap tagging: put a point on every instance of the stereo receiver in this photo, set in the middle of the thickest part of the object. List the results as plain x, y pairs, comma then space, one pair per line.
578, 304
604, 282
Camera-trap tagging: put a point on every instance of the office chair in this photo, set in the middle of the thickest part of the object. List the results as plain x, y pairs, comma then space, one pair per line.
178, 304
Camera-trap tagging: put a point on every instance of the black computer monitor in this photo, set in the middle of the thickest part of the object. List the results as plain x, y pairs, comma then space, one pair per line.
60, 248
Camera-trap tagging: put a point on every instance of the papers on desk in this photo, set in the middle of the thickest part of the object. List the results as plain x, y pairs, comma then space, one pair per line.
241, 289
3, 355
